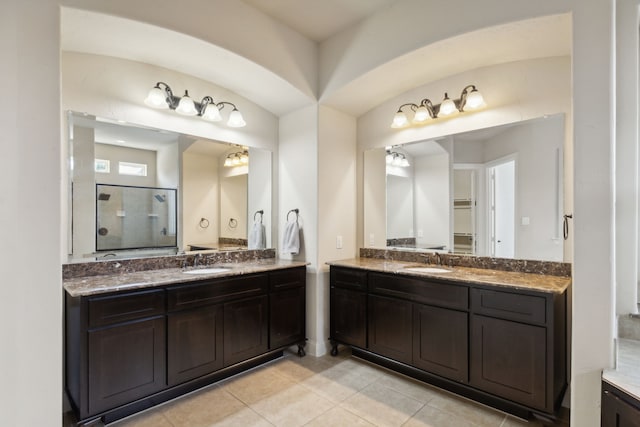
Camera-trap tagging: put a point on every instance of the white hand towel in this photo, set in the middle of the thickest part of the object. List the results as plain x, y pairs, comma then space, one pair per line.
291, 238
257, 237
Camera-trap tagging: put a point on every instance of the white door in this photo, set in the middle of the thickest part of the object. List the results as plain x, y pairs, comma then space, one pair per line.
502, 208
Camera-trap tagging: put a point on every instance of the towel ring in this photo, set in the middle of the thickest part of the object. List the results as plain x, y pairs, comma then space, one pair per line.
233, 223
565, 226
261, 212
204, 223
297, 211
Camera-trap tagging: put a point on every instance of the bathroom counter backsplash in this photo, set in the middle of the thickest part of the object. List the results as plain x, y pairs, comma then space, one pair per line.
550, 268
471, 275
99, 284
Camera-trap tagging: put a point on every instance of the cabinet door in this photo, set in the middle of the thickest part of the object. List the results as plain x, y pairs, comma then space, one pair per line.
509, 359
286, 317
348, 311
618, 413
126, 362
194, 343
440, 341
390, 332
246, 331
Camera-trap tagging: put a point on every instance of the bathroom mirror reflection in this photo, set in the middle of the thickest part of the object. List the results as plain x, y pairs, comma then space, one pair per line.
491, 192
217, 187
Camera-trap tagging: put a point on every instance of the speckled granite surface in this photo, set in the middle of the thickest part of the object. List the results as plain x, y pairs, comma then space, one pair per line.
92, 285
99, 268
504, 264
511, 279
626, 376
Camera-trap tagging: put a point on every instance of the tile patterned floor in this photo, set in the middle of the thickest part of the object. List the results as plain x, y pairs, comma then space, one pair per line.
325, 391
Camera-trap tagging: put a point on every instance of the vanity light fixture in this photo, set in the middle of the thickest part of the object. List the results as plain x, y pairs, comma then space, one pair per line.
470, 99
239, 158
161, 97
393, 158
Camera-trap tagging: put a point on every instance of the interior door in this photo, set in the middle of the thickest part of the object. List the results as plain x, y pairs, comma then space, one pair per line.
502, 208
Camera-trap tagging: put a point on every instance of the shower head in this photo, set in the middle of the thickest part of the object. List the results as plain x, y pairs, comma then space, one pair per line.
104, 196
160, 198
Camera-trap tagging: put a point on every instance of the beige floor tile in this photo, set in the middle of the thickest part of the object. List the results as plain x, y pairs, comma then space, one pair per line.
338, 417
336, 384
382, 406
415, 389
153, 418
246, 417
479, 415
257, 384
429, 416
294, 406
517, 422
202, 409
300, 368
360, 367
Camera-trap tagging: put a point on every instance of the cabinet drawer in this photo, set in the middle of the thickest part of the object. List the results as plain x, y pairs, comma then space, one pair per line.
106, 310
508, 305
424, 291
215, 291
349, 278
287, 279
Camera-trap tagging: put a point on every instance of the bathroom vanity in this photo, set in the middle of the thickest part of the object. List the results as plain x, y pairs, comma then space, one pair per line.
497, 337
137, 339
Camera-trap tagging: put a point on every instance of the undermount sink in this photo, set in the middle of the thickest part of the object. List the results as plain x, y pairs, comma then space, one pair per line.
427, 270
207, 270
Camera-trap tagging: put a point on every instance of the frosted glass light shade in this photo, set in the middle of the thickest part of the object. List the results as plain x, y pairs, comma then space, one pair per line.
404, 162
212, 113
157, 98
236, 120
421, 114
447, 107
186, 107
474, 100
399, 120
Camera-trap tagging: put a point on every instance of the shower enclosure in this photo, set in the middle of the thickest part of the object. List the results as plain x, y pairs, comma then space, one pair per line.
135, 217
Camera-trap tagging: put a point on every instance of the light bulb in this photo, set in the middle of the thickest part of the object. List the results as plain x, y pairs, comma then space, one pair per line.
212, 113
186, 107
157, 98
447, 107
474, 100
244, 158
228, 162
421, 114
235, 119
399, 120
388, 158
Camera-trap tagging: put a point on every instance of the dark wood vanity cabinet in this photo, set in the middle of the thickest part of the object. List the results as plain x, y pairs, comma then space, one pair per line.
348, 307
287, 304
619, 409
504, 347
127, 351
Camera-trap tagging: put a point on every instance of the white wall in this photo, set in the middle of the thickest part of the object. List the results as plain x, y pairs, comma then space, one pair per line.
116, 154
30, 218
260, 191
233, 206
201, 193
432, 200
399, 206
373, 199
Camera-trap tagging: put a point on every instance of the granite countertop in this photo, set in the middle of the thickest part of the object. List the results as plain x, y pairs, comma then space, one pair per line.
92, 285
510, 279
626, 375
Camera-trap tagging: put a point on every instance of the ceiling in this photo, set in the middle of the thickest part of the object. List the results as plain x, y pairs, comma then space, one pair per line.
319, 19
101, 34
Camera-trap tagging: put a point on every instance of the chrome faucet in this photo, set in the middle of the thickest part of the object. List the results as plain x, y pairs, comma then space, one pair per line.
196, 259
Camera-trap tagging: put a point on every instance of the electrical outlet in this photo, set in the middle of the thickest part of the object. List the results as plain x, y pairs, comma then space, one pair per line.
338, 242
372, 240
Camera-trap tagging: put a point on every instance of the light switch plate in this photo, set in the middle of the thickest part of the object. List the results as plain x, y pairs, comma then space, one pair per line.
338, 242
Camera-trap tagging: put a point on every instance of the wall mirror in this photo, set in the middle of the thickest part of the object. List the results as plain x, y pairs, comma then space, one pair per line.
181, 192
490, 192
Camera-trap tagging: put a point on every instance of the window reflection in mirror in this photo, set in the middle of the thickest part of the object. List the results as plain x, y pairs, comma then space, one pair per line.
214, 202
490, 192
